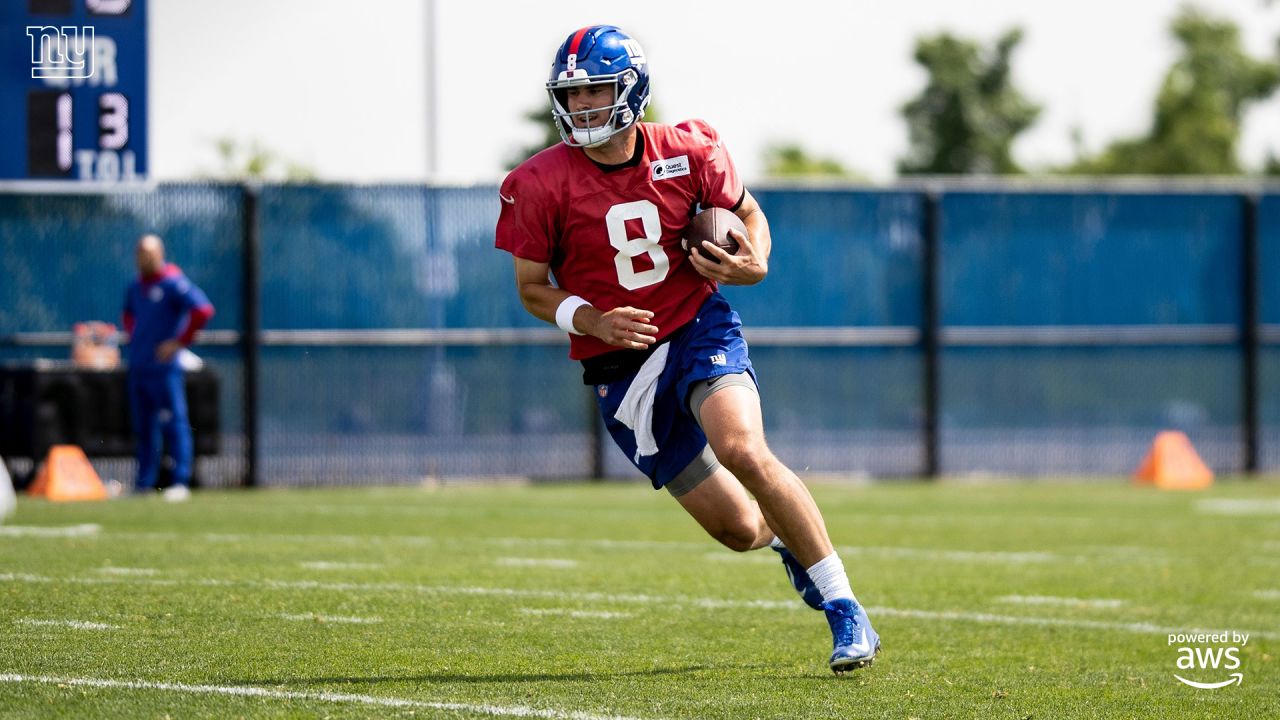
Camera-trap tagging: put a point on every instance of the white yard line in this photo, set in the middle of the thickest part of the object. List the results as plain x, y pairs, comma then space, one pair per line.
325, 619
566, 612
23, 577
603, 543
1267, 594
77, 624
326, 565
637, 599
757, 558
664, 546
108, 580
718, 604
419, 540
38, 531
1139, 627
323, 697
997, 556
1141, 551
1238, 507
557, 563
1092, 603
128, 571
967, 556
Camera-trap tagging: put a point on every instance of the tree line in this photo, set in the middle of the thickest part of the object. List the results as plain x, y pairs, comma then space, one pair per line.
969, 114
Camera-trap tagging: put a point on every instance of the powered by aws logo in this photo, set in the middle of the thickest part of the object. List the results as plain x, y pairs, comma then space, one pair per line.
1203, 652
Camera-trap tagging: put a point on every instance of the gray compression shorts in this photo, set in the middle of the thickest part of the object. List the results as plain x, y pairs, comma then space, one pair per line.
705, 463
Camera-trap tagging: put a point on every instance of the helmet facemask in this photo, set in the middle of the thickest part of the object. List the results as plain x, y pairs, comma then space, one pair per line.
619, 114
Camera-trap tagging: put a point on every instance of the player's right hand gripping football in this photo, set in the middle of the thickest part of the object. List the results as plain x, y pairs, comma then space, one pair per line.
626, 327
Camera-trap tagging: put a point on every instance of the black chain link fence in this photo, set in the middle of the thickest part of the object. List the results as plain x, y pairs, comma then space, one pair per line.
1069, 325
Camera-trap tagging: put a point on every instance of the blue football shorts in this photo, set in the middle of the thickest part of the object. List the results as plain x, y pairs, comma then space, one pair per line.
709, 346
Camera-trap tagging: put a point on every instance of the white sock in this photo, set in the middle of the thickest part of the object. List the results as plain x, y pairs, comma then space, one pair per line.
828, 574
776, 543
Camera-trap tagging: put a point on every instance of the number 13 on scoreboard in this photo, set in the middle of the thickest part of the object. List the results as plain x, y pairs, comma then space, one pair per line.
51, 139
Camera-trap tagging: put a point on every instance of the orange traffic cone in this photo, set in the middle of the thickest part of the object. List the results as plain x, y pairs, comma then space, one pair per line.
67, 475
1173, 464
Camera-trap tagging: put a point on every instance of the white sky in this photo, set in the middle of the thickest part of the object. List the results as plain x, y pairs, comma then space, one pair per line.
340, 86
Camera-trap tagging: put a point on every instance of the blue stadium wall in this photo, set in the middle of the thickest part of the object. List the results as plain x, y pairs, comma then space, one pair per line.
1075, 325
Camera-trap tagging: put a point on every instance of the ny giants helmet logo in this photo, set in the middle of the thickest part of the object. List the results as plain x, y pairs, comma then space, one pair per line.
633, 49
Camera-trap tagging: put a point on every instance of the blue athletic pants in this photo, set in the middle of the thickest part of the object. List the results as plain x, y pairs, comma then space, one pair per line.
159, 404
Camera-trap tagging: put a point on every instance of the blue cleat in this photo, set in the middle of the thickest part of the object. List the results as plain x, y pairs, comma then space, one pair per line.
800, 579
855, 644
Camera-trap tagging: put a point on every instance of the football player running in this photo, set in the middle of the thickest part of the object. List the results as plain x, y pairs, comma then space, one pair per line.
603, 213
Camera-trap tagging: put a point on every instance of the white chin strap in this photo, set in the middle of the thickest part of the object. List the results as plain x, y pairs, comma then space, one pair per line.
592, 137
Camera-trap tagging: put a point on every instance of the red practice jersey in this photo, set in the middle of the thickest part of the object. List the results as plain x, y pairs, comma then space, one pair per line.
613, 237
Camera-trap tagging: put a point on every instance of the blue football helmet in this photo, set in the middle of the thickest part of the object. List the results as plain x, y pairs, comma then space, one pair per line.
597, 55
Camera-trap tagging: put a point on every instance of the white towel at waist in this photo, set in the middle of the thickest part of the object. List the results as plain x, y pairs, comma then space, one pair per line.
636, 409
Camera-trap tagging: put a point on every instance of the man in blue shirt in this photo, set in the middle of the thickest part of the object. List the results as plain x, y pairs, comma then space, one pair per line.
163, 311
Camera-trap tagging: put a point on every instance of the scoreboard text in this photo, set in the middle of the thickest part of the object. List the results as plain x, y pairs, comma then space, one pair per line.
73, 89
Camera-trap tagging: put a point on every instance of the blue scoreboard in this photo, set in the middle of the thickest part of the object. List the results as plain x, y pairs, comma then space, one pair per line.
73, 90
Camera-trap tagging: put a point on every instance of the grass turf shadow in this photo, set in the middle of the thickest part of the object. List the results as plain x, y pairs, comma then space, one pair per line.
479, 678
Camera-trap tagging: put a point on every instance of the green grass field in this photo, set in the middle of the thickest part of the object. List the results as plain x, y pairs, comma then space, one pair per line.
1042, 600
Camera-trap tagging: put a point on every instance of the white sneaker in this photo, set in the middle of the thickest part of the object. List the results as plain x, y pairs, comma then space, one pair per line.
177, 493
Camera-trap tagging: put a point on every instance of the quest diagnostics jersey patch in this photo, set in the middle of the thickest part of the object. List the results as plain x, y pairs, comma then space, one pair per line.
670, 168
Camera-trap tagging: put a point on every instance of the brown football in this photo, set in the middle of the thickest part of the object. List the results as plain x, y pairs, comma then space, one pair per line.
713, 225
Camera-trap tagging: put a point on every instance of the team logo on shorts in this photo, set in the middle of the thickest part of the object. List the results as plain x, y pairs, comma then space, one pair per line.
719, 359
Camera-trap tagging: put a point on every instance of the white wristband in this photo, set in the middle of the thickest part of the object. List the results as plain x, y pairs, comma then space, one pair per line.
564, 313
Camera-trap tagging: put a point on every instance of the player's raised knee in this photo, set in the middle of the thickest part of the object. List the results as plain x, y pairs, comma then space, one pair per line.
739, 536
